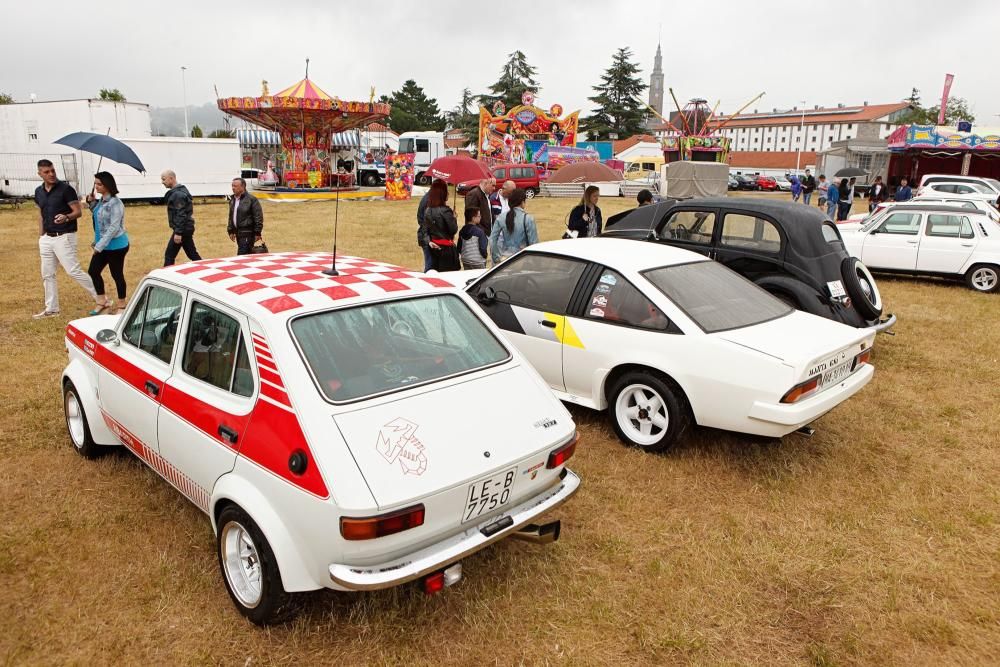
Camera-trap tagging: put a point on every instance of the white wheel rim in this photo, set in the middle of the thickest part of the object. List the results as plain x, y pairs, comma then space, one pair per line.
241, 564
642, 414
530, 194
74, 419
984, 279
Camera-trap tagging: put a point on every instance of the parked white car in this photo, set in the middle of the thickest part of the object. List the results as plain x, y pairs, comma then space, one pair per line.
990, 183
975, 203
971, 190
784, 184
332, 428
932, 240
662, 336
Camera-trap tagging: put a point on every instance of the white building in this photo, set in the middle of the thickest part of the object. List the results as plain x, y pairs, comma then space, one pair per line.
811, 130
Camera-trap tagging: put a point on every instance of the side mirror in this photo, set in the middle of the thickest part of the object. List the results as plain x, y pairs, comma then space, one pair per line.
107, 337
486, 296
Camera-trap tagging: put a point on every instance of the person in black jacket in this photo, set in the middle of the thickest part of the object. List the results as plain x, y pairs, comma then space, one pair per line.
808, 187
585, 218
180, 217
246, 218
441, 229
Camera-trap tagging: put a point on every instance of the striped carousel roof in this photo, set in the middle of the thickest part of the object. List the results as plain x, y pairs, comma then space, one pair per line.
304, 90
259, 137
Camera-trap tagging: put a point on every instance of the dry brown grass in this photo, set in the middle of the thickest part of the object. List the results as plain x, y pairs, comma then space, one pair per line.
875, 542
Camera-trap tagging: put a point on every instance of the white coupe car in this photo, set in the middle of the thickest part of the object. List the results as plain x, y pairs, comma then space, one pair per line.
662, 336
930, 239
331, 427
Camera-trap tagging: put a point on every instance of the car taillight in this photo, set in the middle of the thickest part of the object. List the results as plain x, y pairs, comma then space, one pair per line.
801, 390
862, 358
559, 456
370, 527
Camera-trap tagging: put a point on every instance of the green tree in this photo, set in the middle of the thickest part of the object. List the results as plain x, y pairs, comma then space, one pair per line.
413, 110
465, 115
516, 77
957, 109
6, 99
112, 95
221, 134
618, 108
196, 132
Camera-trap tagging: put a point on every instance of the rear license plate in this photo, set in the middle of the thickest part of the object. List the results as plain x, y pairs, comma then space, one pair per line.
836, 374
489, 493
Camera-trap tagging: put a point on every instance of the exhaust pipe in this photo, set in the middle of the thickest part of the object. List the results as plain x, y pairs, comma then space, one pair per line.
543, 534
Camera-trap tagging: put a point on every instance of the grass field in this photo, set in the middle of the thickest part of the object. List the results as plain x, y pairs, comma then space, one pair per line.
877, 541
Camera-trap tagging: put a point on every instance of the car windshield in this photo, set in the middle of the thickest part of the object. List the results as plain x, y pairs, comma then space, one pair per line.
716, 298
985, 189
376, 348
994, 182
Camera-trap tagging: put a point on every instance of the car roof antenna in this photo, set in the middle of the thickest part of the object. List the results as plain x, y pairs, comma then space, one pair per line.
332, 271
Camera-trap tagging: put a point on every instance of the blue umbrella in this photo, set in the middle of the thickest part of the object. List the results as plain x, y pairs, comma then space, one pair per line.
103, 145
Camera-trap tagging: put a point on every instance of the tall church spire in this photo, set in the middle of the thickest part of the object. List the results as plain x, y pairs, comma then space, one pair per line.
656, 85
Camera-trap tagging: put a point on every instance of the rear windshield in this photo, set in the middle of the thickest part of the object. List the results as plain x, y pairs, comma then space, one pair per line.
831, 234
381, 347
715, 297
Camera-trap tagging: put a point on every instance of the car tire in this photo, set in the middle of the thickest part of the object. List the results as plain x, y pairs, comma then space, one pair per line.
983, 278
77, 424
861, 287
250, 570
369, 180
637, 399
530, 193
423, 179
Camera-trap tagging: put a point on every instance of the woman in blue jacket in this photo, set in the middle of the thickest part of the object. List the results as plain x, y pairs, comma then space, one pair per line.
110, 240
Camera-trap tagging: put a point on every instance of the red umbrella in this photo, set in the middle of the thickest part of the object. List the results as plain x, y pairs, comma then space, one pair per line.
453, 169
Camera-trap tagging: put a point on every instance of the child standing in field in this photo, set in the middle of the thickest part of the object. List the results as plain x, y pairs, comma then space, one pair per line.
472, 241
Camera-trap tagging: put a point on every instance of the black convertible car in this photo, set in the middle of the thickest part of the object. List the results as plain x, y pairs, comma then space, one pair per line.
791, 250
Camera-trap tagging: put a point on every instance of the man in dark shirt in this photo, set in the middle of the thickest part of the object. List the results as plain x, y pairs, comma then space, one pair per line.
58, 210
808, 186
479, 197
180, 217
904, 192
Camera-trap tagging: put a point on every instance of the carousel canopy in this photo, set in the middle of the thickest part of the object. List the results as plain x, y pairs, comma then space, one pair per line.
306, 108
248, 137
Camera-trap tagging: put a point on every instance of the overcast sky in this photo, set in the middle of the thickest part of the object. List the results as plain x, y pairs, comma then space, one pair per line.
817, 52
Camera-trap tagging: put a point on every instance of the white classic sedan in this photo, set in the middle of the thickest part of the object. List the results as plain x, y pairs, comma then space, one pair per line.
331, 427
930, 239
662, 336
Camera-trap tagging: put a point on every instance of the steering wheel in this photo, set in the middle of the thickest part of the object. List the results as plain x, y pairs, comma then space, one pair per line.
681, 232
403, 328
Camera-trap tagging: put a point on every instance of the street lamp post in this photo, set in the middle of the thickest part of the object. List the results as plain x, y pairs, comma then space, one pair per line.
187, 131
802, 138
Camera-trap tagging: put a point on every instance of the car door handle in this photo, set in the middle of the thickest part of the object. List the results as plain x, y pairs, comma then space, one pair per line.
968, 245
152, 388
228, 434
913, 242
547, 323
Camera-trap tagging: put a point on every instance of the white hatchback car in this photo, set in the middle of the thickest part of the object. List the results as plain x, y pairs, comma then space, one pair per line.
930, 239
332, 428
662, 336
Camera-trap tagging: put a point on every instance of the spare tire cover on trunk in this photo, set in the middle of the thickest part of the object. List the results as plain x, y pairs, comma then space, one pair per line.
860, 286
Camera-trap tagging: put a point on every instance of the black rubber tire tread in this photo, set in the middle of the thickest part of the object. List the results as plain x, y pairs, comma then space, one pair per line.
276, 605
852, 284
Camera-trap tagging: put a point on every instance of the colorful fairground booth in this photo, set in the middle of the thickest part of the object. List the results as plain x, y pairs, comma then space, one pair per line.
917, 150
693, 137
310, 127
519, 134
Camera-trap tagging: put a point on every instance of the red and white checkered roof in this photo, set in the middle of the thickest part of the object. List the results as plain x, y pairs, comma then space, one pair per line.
292, 282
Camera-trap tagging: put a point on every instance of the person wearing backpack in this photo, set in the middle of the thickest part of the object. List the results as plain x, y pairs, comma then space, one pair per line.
472, 241
518, 229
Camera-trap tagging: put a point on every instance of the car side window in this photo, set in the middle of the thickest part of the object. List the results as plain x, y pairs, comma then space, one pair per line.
152, 325
750, 232
614, 299
901, 223
953, 226
215, 352
499, 174
691, 226
542, 282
